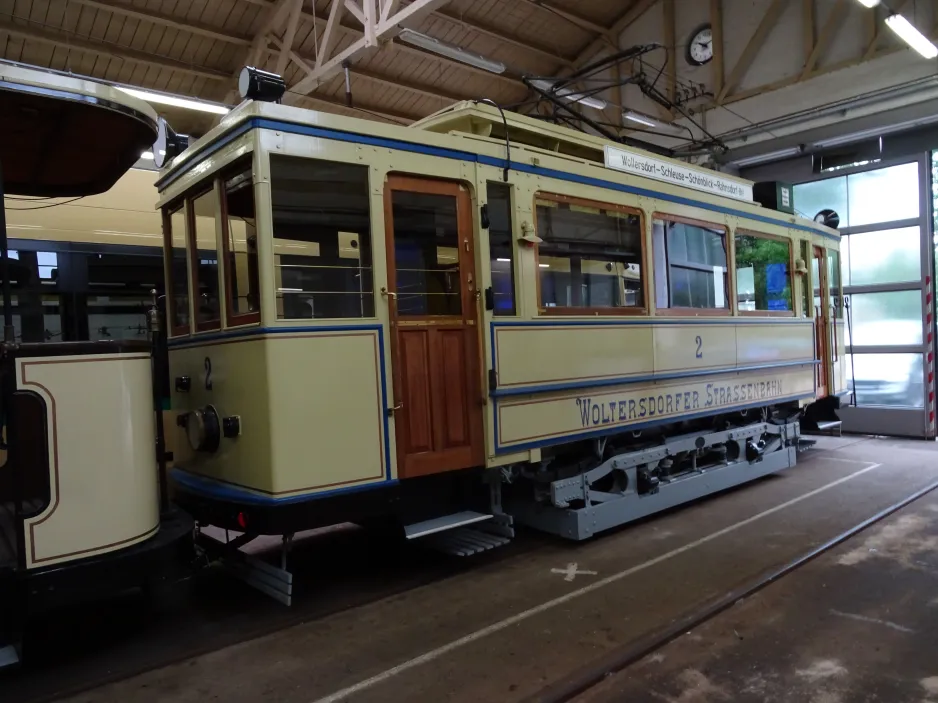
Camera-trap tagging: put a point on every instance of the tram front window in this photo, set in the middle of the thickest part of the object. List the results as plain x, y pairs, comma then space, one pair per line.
322, 240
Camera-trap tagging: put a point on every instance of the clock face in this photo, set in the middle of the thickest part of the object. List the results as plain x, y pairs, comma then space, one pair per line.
700, 47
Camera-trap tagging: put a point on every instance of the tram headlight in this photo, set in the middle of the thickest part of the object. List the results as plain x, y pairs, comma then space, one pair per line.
202, 429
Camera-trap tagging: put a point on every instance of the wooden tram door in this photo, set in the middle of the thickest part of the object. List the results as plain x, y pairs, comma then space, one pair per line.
821, 320
433, 301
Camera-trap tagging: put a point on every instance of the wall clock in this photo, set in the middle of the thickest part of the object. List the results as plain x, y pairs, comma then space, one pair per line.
700, 46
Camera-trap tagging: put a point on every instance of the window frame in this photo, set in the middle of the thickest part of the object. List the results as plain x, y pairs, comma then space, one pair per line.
169, 210
627, 311
512, 242
730, 308
233, 319
192, 242
745, 231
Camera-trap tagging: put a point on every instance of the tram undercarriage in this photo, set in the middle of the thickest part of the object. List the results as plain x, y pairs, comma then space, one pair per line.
629, 477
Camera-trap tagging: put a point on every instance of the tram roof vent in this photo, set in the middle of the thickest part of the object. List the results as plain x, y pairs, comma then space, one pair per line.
481, 120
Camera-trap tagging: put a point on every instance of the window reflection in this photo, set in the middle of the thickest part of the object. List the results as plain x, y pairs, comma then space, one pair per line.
690, 265
887, 379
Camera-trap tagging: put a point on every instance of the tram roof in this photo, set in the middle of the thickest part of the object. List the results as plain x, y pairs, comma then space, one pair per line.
66, 136
477, 124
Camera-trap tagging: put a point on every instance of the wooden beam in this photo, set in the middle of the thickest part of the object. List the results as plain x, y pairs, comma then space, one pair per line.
289, 35
355, 10
635, 10
204, 30
388, 8
331, 34
70, 41
573, 18
523, 44
831, 26
670, 44
807, 28
274, 16
716, 24
755, 44
877, 34
356, 31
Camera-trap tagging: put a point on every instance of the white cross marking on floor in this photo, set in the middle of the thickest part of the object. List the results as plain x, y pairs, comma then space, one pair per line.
572, 572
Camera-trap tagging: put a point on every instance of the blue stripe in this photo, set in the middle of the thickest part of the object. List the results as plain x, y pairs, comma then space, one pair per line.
624, 380
223, 491
622, 428
189, 342
442, 152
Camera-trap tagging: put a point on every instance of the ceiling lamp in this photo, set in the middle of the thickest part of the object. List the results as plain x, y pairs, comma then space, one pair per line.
175, 101
641, 119
911, 36
869, 3
451, 51
567, 94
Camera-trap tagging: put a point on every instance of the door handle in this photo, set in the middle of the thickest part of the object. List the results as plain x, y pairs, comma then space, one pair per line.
393, 410
388, 294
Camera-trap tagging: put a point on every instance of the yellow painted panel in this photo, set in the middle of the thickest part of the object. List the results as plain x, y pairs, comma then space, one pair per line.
542, 355
104, 488
327, 414
693, 347
554, 417
766, 343
238, 387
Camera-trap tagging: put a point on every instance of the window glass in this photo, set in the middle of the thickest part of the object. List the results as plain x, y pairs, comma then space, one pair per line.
119, 294
690, 265
883, 195
205, 261
805, 283
885, 318
426, 254
322, 241
885, 256
763, 275
590, 256
501, 248
830, 193
833, 282
35, 299
887, 379
241, 247
175, 244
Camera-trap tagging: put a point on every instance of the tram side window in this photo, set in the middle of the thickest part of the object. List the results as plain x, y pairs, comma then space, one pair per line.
590, 256
690, 265
322, 241
240, 249
501, 249
174, 244
763, 273
204, 251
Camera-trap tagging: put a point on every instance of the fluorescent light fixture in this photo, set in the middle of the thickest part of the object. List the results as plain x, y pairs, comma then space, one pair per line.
869, 3
911, 36
506, 261
457, 53
544, 266
567, 94
765, 158
641, 119
175, 101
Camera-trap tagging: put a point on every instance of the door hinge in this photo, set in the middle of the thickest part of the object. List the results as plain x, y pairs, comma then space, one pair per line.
493, 380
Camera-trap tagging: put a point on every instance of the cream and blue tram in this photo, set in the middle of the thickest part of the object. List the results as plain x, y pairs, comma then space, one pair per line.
391, 313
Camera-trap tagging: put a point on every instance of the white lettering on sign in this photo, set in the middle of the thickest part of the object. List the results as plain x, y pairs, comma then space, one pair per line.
641, 165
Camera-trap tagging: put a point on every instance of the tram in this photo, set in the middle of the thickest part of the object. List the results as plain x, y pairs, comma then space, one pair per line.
476, 321
83, 509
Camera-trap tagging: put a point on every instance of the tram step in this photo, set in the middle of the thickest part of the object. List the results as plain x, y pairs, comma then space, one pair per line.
444, 523
464, 541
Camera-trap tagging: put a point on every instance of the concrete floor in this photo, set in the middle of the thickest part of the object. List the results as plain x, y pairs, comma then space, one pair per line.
507, 629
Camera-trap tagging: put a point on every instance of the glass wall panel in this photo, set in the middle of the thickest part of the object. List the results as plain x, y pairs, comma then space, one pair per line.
887, 379
886, 318
883, 195
811, 198
884, 256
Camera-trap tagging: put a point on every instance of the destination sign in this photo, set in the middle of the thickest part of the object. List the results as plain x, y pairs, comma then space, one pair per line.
710, 182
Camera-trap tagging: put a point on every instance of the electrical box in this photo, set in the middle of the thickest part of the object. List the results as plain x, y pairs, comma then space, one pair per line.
775, 195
